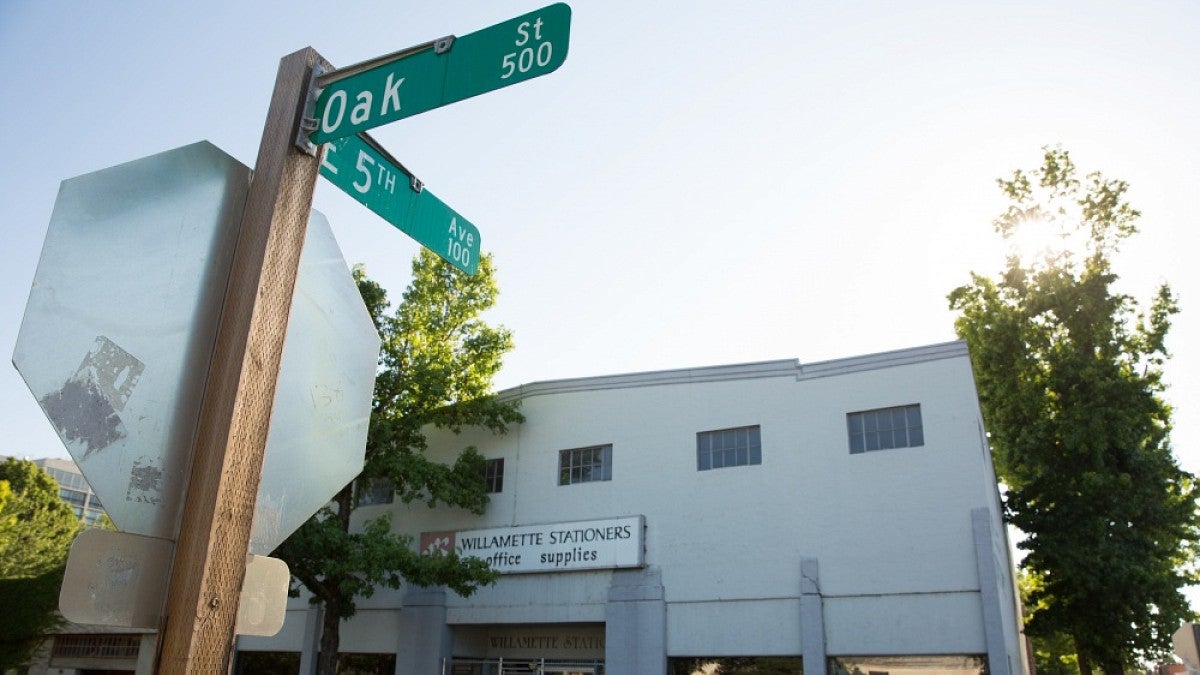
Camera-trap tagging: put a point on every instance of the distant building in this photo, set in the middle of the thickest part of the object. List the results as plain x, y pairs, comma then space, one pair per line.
836, 517
73, 488
77, 649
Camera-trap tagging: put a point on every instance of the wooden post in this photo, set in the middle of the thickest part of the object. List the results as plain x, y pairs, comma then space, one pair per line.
209, 563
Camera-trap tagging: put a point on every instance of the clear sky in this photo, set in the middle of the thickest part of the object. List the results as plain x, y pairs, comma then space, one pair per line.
698, 184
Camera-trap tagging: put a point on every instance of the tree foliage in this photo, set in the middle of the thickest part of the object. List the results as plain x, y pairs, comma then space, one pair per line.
437, 361
36, 530
36, 526
1052, 654
1070, 376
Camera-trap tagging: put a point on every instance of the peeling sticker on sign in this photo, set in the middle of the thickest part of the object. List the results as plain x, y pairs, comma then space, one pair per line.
145, 482
84, 410
115, 371
111, 593
121, 570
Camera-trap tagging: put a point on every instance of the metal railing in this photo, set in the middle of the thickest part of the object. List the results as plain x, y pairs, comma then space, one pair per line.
96, 646
502, 666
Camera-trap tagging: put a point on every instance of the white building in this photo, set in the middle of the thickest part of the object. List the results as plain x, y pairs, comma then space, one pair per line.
842, 514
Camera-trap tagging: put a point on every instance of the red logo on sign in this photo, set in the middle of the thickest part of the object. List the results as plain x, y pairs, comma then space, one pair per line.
437, 543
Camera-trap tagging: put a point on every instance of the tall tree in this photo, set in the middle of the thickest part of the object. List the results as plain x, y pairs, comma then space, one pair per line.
1052, 654
36, 530
1070, 376
437, 362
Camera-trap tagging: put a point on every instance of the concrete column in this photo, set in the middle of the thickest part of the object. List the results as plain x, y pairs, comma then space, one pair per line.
989, 592
146, 653
812, 618
635, 630
313, 619
425, 640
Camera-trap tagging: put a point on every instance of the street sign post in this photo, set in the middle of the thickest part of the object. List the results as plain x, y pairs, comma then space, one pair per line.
366, 172
415, 80
207, 496
209, 562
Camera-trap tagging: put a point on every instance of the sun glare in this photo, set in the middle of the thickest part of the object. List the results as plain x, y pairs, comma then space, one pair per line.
1040, 241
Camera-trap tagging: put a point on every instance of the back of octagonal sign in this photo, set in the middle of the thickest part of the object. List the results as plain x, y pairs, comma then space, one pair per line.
121, 317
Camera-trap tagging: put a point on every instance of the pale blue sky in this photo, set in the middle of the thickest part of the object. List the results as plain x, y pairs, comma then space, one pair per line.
697, 185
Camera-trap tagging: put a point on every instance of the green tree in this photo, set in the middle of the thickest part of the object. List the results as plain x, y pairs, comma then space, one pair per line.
1052, 654
36, 530
437, 362
1070, 381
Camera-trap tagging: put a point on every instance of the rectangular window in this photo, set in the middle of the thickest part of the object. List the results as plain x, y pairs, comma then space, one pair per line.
72, 497
728, 447
493, 475
885, 428
372, 491
585, 465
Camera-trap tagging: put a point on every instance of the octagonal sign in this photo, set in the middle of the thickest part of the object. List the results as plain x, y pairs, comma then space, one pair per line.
119, 328
323, 399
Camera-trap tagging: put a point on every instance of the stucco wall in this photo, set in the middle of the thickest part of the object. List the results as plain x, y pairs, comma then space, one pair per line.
892, 530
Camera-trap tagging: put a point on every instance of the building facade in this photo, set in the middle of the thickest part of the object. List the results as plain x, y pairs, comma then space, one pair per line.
73, 488
838, 517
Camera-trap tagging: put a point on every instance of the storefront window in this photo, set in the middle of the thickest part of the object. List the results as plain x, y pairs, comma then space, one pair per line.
288, 663
465, 666
267, 663
366, 664
735, 665
908, 665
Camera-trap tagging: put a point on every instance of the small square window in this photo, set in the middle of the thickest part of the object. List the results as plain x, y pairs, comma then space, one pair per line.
585, 465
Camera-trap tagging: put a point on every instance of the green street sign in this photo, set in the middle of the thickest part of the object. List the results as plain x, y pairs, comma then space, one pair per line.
365, 171
429, 76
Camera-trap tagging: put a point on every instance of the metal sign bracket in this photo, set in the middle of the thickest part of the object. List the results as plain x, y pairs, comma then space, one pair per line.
306, 122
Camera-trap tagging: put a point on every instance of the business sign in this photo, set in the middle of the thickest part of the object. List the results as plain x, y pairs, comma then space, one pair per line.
566, 641
366, 172
556, 547
412, 81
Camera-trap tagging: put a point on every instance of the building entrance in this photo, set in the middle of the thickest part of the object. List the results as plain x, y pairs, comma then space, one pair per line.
569, 670
519, 666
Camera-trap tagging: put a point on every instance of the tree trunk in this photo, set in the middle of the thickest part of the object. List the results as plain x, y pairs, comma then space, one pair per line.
331, 621
330, 642
1085, 666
